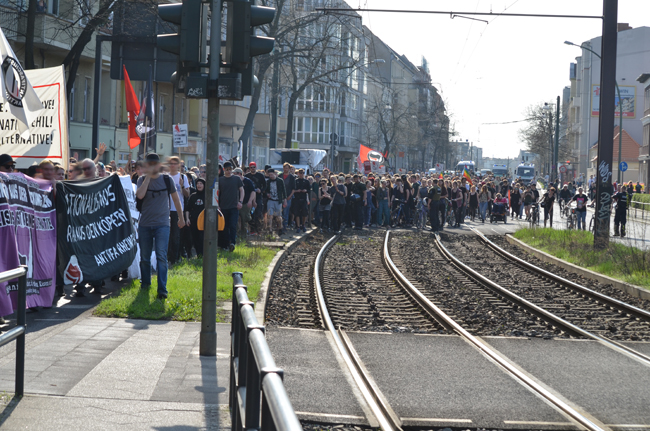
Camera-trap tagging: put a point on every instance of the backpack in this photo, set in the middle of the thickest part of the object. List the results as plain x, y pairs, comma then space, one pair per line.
168, 183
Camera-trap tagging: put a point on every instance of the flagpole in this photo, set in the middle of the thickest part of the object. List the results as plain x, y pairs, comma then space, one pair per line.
146, 124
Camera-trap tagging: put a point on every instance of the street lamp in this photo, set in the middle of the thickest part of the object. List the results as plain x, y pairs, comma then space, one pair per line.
549, 109
620, 110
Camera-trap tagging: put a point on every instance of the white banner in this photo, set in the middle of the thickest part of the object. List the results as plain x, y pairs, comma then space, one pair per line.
180, 136
48, 133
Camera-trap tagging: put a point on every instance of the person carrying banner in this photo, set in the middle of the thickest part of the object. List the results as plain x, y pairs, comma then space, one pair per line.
7, 164
154, 191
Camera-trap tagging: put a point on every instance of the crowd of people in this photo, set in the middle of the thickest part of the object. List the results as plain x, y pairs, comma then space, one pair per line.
171, 198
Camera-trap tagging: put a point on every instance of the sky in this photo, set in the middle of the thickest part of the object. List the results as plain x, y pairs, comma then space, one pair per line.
490, 73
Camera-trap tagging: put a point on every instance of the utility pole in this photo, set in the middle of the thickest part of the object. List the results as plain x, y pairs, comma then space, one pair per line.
606, 124
208, 336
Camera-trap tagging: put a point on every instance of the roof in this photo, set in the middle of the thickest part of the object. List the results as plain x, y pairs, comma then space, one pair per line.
629, 147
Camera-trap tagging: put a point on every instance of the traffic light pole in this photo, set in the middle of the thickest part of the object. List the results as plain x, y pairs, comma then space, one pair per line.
208, 336
606, 124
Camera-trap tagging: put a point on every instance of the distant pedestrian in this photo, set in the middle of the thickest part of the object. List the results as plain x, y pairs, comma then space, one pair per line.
195, 205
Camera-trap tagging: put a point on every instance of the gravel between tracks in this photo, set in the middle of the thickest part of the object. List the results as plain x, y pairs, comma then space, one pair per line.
565, 303
291, 301
360, 293
470, 305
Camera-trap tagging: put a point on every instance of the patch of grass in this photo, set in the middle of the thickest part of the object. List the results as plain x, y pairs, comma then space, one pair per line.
184, 287
619, 261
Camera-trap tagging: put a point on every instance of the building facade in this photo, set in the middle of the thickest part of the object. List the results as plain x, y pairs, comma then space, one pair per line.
633, 59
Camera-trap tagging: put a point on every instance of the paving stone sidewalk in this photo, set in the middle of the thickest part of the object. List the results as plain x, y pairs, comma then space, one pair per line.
119, 374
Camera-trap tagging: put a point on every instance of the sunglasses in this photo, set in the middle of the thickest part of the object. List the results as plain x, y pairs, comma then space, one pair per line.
9, 166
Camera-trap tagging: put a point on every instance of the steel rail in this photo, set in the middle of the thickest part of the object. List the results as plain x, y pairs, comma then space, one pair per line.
387, 421
489, 352
539, 311
620, 305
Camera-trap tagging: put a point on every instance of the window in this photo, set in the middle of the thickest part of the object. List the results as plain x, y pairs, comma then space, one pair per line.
314, 130
86, 99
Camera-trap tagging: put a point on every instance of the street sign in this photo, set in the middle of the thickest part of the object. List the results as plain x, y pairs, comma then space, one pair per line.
180, 135
622, 166
563, 169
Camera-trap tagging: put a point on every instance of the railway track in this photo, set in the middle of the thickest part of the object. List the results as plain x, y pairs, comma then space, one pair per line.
382, 413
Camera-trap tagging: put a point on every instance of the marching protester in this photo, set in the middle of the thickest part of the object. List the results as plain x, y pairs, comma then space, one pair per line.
620, 214
7, 163
277, 200
259, 180
231, 200
248, 202
180, 182
196, 205
155, 190
548, 201
581, 208
289, 187
299, 206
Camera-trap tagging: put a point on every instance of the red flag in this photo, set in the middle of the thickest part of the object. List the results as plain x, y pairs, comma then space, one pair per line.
133, 109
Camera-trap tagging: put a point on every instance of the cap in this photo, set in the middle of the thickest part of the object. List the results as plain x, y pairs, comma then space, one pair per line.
101, 165
267, 167
252, 164
270, 169
5, 159
227, 165
152, 157
238, 171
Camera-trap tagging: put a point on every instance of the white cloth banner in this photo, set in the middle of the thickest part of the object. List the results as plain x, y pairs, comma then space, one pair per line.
19, 98
129, 191
47, 137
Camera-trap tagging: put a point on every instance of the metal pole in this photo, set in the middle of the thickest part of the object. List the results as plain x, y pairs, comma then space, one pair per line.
606, 124
208, 336
620, 132
557, 139
97, 91
20, 341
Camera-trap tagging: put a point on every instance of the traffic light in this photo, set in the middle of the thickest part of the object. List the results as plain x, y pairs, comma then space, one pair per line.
187, 42
241, 42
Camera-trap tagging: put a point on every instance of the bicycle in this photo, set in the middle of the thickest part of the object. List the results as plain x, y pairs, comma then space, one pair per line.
397, 217
534, 216
451, 216
572, 219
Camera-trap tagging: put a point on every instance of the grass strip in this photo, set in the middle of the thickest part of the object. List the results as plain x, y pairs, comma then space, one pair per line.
619, 261
184, 287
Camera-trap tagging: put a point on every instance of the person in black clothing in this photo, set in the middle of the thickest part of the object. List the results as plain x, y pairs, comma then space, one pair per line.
196, 204
565, 194
259, 180
339, 192
620, 216
548, 200
349, 205
299, 206
359, 201
186, 233
433, 197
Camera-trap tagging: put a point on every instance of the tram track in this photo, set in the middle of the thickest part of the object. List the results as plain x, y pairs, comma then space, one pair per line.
383, 414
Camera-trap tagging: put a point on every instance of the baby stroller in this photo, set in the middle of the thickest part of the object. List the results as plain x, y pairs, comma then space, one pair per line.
499, 213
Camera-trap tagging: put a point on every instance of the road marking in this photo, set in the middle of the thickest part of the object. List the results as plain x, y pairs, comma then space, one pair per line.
538, 423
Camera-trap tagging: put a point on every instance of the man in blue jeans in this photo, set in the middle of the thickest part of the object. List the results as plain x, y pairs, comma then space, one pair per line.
154, 190
231, 200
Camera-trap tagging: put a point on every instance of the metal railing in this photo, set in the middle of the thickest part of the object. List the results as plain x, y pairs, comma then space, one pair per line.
258, 399
18, 333
643, 210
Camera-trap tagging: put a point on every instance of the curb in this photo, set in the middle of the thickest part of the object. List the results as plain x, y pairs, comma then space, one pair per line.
260, 303
631, 289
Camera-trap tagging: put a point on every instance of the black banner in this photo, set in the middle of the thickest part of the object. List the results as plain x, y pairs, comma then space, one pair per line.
95, 237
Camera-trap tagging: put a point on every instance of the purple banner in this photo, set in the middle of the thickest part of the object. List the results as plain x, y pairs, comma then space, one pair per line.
27, 237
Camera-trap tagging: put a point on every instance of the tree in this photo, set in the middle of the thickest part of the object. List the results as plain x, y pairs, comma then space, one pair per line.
286, 22
538, 134
324, 54
388, 120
